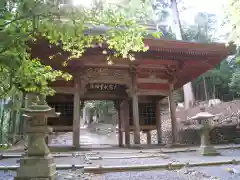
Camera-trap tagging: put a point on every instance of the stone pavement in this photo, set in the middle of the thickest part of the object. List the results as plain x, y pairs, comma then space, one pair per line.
87, 137
136, 157
97, 134
200, 173
131, 157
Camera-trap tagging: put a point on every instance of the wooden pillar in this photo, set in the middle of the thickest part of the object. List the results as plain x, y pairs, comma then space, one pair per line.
120, 130
172, 108
47, 139
82, 105
120, 133
124, 115
76, 117
149, 138
158, 122
135, 110
136, 118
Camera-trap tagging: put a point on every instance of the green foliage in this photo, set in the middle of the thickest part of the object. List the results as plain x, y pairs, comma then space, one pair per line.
138, 10
217, 80
231, 25
202, 30
100, 107
123, 35
10, 118
37, 81
232, 19
235, 82
144, 12
18, 71
23, 21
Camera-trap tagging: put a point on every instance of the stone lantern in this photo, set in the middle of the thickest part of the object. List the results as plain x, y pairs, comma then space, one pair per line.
38, 162
204, 120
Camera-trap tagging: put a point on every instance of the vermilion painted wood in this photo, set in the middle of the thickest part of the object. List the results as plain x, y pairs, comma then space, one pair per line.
183, 60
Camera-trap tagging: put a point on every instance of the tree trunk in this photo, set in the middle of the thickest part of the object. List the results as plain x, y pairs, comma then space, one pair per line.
214, 88
205, 88
187, 88
91, 114
10, 122
2, 121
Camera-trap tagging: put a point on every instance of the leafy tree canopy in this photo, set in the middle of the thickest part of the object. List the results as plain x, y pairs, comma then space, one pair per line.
232, 20
23, 21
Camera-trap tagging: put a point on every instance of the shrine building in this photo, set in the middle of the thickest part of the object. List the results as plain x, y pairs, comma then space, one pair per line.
136, 87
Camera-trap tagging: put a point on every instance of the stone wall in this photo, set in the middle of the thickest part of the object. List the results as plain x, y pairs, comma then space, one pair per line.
219, 135
227, 118
226, 121
190, 136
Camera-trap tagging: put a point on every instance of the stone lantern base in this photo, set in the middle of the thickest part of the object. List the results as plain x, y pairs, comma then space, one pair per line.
42, 168
208, 151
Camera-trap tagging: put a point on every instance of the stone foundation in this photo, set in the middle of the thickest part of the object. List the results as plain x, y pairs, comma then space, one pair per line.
37, 168
219, 135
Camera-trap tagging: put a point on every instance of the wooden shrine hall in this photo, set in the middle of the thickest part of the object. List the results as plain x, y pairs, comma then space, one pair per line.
136, 87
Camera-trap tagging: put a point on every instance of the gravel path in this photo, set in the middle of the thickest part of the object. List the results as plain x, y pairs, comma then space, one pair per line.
136, 158
153, 175
192, 157
209, 173
87, 137
62, 175
226, 172
79, 160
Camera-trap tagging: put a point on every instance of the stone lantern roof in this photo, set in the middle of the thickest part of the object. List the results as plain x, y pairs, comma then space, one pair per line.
202, 115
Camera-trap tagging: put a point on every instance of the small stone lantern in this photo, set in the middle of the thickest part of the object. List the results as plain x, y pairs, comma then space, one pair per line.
204, 119
38, 162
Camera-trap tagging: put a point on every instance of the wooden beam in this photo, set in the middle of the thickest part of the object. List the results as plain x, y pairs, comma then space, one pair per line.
105, 65
102, 96
76, 116
152, 80
158, 62
62, 128
172, 108
158, 121
133, 92
65, 90
144, 127
155, 66
119, 121
153, 86
124, 110
149, 138
211, 48
149, 92
107, 81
